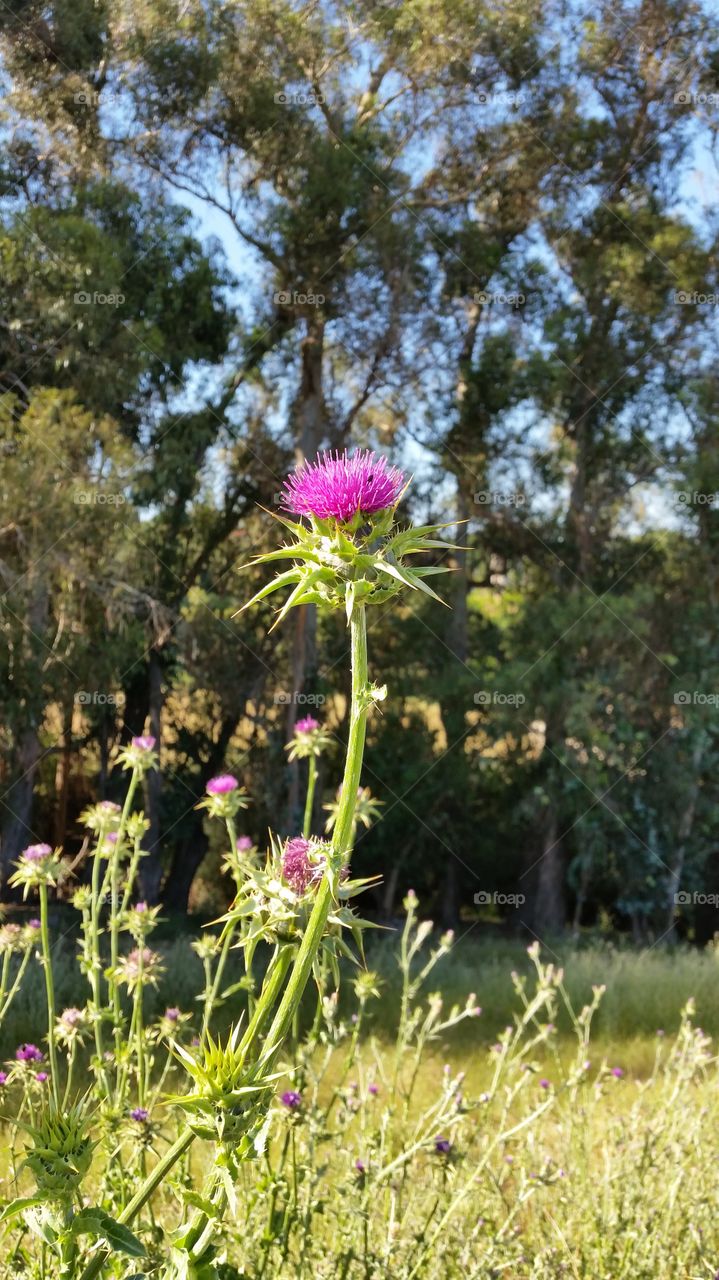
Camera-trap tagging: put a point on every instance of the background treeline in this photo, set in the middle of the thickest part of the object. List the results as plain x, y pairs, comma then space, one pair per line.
478, 236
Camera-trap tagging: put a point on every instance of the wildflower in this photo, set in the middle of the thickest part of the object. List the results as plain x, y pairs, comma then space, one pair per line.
70, 1025
220, 785
303, 863
291, 1099
140, 755
360, 1166
140, 964
442, 1146
373, 1089
172, 1014
544, 1084
34, 923
308, 739
140, 1115
11, 936
224, 796
101, 816
341, 487
28, 1053
41, 1077
244, 844
617, 1072
36, 853
3, 1078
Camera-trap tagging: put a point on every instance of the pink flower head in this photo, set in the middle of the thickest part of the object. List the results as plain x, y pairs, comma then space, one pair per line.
172, 1014
617, 1072
291, 1099
244, 844
297, 867
34, 923
221, 785
28, 1053
140, 907
36, 852
308, 725
144, 742
140, 1115
340, 486
3, 1078
41, 1076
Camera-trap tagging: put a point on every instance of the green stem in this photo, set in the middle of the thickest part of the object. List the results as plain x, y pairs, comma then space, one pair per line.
309, 802
113, 984
139, 1200
227, 936
341, 840
50, 993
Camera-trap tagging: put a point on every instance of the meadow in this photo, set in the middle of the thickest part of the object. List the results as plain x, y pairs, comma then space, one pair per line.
562, 1132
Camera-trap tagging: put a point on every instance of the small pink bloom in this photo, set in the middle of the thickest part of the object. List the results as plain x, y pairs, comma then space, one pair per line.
144, 742
221, 785
307, 725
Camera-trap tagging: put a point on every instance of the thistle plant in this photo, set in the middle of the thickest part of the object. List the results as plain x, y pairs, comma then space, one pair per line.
347, 552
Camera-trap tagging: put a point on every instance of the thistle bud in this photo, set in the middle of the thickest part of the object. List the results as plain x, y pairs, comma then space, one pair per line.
60, 1151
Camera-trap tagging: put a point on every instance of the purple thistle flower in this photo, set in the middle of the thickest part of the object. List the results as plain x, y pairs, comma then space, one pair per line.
139, 1114
111, 837
28, 1053
34, 923
109, 806
617, 1072
71, 1017
244, 844
360, 1166
297, 868
144, 742
3, 1078
220, 785
291, 1099
442, 1146
307, 725
141, 907
172, 1014
544, 1084
339, 486
36, 852
41, 1077
373, 1089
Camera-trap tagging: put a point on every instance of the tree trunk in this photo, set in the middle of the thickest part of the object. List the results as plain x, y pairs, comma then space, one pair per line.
17, 804
686, 822
190, 851
549, 908
151, 866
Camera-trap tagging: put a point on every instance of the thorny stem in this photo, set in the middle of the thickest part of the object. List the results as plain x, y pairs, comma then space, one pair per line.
50, 994
309, 802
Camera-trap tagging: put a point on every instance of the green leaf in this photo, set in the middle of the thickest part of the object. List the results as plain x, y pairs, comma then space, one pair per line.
17, 1206
95, 1222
